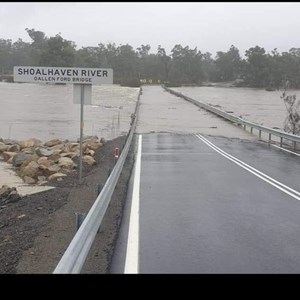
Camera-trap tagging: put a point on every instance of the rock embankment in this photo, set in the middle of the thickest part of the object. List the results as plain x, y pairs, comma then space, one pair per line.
8, 194
37, 162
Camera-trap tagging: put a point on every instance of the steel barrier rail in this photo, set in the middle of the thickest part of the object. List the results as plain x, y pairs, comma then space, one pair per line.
74, 257
237, 120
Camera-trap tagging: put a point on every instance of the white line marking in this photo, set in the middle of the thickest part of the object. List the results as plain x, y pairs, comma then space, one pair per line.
285, 149
132, 253
248, 166
252, 170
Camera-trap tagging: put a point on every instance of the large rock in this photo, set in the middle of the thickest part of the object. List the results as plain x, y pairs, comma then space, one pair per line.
30, 150
53, 142
58, 147
3, 147
88, 160
28, 180
28, 160
10, 142
43, 161
88, 137
4, 191
30, 143
89, 152
54, 158
31, 170
8, 194
56, 176
66, 163
14, 148
94, 145
52, 169
7, 155
19, 158
70, 154
43, 152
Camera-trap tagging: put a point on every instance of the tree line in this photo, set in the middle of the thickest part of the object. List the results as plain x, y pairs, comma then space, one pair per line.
184, 65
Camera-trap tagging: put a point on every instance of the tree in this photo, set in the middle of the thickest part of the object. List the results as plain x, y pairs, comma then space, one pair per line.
292, 121
20, 54
187, 65
228, 64
5, 55
209, 67
257, 67
126, 63
38, 45
275, 69
58, 52
165, 60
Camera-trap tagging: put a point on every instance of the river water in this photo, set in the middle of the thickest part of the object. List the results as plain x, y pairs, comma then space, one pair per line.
47, 111
256, 105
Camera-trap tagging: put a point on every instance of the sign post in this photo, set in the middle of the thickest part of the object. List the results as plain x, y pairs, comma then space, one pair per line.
82, 78
81, 130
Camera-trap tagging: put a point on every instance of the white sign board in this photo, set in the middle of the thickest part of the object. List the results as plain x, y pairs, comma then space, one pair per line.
87, 94
63, 75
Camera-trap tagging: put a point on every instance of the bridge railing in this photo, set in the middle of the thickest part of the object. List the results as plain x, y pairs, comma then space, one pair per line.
237, 120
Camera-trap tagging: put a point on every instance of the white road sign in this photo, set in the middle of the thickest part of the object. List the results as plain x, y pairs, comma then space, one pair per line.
63, 75
87, 94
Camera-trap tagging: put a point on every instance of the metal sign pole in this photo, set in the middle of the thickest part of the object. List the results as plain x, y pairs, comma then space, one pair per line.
81, 130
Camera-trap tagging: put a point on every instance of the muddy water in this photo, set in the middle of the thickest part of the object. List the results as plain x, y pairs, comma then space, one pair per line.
256, 105
162, 112
47, 111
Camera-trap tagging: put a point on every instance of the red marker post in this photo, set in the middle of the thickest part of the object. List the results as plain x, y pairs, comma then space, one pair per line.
117, 153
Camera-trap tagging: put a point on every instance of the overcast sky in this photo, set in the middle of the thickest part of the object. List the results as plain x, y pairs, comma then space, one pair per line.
211, 26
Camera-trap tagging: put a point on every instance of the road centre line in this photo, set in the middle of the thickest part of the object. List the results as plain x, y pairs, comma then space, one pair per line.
132, 252
252, 170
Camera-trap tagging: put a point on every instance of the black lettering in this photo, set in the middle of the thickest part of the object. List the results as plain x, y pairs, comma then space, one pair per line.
69, 72
83, 72
38, 72
99, 73
56, 72
93, 72
63, 72
105, 74
50, 72
20, 71
31, 71
75, 72
26, 71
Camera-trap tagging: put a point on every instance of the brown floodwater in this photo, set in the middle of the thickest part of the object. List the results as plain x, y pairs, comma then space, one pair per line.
47, 111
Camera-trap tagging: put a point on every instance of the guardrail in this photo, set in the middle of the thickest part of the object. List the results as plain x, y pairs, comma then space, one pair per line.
235, 119
74, 257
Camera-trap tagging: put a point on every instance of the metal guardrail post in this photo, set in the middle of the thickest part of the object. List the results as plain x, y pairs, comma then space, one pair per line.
79, 219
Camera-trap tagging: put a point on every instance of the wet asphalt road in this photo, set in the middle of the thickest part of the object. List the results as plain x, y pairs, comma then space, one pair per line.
199, 212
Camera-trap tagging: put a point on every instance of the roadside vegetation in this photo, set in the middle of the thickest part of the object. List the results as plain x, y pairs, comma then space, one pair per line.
183, 66
292, 105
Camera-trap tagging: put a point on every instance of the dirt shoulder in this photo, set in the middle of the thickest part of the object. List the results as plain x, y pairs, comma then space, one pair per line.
36, 230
